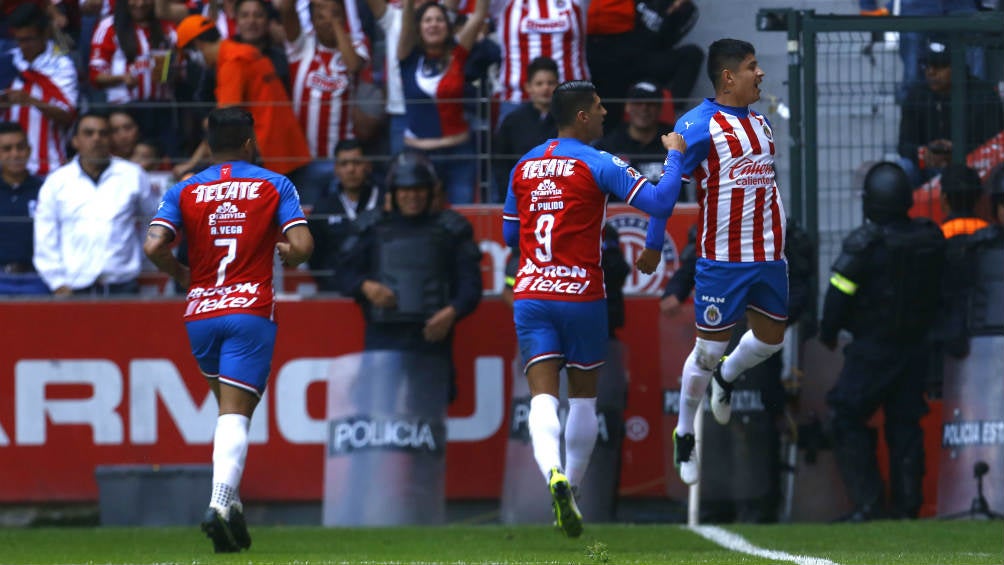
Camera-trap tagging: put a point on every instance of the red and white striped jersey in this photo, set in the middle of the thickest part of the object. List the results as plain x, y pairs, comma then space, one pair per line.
51, 78
107, 57
322, 89
539, 28
730, 157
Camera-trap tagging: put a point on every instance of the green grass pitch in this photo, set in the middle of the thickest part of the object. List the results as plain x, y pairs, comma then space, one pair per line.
907, 543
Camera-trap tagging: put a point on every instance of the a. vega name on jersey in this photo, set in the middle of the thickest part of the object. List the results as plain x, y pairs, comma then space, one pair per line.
227, 190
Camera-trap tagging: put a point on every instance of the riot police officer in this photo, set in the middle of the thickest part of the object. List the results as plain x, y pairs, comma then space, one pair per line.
884, 289
414, 270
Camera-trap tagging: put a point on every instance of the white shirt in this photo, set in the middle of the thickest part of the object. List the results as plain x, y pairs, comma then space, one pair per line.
86, 231
390, 22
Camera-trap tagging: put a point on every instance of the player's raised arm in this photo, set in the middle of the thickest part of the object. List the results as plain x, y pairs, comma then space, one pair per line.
659, 200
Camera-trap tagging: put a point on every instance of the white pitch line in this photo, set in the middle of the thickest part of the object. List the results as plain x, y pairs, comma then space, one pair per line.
736, 542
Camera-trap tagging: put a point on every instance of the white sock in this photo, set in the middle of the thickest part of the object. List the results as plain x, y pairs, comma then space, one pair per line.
695, 380
230, 449
580, 437
749, 353
545, 432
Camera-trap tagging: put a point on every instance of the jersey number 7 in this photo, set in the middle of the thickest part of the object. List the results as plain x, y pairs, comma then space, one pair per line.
231, 244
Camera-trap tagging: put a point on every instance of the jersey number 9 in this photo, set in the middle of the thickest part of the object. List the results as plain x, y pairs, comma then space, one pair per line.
545, 223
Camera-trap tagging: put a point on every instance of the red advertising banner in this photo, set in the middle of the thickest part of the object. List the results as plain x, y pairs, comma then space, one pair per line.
88, 383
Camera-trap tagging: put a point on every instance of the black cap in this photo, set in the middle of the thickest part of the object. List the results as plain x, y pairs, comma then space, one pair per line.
957, 178
937, 54
645, 91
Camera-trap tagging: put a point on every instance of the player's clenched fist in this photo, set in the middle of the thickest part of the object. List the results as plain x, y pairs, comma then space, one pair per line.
673, 140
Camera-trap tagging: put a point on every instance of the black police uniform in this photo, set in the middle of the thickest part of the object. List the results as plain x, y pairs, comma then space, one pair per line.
884, 289
330, 223
430, 261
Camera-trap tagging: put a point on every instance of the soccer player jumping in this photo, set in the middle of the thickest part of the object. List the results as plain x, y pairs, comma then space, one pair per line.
741, 266
232, 214
554, 212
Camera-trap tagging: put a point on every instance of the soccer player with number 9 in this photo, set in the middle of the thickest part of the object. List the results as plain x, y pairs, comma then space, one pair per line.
554, 212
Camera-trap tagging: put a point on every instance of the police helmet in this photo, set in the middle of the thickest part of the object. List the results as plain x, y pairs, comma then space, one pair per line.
887, 192
411, 168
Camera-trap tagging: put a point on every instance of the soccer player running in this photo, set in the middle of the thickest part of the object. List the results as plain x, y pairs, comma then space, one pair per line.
232, 214
554, 212
740, 240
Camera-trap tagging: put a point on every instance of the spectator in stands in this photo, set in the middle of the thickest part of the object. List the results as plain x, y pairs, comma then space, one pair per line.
350, 194
528, 29
415, 270
925, 128
86, 238
129, 54
639, 141
222, 12
529, 125
388, 15
125, 132
961, 191
246, 77
149, 155
254, 19
913, 44
432, 75
18, 198
324, 63
42, 97
660, 27
610, 49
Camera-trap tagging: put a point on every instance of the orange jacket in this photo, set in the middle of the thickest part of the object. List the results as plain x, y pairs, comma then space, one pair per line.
245, 77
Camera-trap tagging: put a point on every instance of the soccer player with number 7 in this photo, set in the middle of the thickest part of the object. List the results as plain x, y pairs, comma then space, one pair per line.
554, 212
232, 214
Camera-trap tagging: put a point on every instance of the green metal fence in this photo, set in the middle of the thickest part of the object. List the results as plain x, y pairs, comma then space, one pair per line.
844, 78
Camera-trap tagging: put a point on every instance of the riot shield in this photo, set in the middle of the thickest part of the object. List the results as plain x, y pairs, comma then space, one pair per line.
525, 498
972, 437
385, 453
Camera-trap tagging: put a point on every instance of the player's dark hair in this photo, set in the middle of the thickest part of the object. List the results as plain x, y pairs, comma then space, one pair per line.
11, 127
569, 99
350, 144
539, 64
229, 129
726, 54
28, 14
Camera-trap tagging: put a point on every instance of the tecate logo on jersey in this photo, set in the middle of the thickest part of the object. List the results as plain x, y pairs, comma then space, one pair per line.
227, 190
543, 168
365, 432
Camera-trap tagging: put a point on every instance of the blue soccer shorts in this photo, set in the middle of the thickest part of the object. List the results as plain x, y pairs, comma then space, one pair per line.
552, 329
235, 348
723, 291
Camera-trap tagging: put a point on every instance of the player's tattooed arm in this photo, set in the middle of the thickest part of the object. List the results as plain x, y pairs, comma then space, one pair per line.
158, 248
